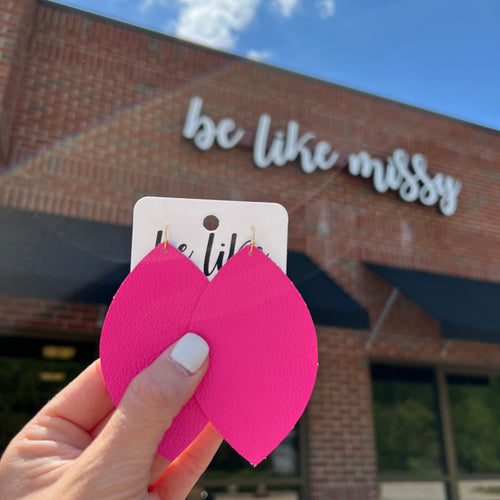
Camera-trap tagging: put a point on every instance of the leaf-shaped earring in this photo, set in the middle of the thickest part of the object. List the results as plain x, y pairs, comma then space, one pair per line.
263, 349
263, 353
151, 311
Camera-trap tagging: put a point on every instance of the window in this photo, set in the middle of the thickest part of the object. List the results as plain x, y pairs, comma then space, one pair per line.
281, 475
31, 372
407, 421
437, 433
475, 415
475, 418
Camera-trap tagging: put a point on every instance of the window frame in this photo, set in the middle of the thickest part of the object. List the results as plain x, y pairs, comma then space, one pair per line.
301, 481
451, 477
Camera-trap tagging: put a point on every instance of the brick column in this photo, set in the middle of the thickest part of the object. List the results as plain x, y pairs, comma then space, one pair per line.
342, 459
16, 24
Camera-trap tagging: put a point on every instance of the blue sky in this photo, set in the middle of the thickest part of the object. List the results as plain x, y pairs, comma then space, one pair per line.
441, 55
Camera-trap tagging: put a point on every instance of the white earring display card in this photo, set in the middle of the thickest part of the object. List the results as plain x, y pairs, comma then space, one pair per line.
209, 232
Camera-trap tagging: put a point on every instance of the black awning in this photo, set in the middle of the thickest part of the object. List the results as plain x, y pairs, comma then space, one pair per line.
61, 258
466, 309
328, 303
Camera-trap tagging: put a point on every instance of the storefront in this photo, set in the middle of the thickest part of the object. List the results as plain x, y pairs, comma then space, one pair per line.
393, 243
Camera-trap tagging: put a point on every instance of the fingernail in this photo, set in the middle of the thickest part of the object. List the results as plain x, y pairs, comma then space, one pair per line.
190, 352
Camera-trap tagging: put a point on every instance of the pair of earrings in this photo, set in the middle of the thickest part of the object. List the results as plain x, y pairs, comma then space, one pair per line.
263, 348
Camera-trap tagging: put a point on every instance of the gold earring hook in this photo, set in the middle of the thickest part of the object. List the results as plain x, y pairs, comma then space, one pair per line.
252, 243
165, 241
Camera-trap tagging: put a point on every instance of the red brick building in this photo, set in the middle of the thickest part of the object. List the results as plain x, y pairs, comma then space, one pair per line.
91, 119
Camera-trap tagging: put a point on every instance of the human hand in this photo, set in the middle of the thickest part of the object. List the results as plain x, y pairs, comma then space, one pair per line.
79, 446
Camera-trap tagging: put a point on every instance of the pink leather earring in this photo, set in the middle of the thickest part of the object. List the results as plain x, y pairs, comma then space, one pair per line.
263, 348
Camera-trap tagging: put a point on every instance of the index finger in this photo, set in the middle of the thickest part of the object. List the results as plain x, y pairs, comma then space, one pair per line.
84, 402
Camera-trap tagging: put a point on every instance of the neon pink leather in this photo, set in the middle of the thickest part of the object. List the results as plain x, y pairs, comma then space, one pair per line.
263, 349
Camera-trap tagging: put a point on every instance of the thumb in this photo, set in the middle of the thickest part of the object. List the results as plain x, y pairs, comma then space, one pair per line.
152, 400
157, 395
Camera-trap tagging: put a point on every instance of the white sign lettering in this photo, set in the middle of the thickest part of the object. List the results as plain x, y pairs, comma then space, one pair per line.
412, 183
288, 146
204, 131
400, 173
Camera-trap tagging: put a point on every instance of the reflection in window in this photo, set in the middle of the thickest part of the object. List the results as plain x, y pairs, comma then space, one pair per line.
407, 425
231, 477
25, 386
475, 414
31, 372
233, 492
282, 462
263, 493
408, 490
485, 489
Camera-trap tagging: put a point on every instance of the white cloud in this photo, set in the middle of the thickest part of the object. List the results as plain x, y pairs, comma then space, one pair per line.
286, 7
326, 8
214, 22
259, 55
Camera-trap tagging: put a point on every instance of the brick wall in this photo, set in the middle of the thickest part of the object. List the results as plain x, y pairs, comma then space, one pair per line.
341, 441
56, 319
16, 24
97, 125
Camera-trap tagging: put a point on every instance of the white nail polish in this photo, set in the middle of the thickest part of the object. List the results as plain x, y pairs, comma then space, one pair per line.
190, 352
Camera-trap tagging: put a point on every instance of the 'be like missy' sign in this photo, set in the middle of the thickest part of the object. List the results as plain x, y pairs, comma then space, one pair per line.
402, 173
